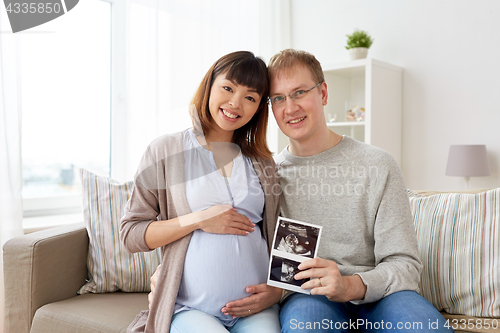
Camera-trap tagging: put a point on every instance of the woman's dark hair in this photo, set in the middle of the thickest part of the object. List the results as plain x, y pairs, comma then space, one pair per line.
245, 69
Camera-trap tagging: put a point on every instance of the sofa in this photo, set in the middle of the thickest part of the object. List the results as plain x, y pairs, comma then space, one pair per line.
44, 270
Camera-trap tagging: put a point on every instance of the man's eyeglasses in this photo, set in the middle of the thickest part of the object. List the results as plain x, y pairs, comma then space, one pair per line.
279, 100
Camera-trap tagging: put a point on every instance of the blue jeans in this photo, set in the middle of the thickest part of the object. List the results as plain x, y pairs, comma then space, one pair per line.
192, 321
404, 311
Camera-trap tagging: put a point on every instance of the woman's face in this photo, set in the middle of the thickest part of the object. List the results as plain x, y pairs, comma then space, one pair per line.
231, 105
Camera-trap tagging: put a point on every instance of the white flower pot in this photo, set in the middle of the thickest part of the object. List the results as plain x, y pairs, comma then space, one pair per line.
358, 53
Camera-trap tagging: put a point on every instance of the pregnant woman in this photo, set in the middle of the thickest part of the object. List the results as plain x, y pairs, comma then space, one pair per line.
207, 197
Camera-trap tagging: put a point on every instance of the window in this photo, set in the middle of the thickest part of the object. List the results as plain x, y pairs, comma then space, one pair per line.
65, 79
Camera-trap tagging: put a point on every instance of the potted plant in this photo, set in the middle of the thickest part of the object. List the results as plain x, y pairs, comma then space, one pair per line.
358, 44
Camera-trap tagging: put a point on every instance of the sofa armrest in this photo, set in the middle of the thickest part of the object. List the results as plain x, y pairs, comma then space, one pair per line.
40, 268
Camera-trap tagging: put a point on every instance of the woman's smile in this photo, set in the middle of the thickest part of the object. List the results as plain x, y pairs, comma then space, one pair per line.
230, 115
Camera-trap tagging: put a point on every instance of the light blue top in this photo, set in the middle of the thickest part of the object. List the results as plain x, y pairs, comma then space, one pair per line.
218, 268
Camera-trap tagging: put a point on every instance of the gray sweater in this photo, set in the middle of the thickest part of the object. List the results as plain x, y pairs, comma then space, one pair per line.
357, 193
159, 194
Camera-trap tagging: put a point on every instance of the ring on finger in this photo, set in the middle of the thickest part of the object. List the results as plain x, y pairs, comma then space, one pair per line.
320, 284
249, 312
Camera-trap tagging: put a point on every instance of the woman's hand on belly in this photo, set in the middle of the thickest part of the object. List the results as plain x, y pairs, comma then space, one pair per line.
263, 296
224, 219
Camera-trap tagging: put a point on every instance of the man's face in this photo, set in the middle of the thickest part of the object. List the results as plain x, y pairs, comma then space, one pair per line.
302, 118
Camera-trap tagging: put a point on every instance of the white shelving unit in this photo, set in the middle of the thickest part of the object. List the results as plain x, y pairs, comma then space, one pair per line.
350, 124
377, 87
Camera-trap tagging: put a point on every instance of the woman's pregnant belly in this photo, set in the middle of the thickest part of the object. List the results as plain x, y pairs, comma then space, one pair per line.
218, 268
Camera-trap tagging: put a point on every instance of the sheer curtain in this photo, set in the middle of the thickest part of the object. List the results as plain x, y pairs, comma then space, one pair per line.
11, 212
164, 48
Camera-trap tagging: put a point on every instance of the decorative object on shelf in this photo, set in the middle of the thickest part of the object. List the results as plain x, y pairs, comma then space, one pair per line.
330, 118
359, 113
358, 44
468, 161
350, 116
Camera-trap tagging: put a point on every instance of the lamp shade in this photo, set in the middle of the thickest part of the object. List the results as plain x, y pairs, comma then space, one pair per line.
468, 161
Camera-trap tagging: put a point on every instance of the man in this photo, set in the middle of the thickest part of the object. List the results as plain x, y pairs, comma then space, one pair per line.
367, 271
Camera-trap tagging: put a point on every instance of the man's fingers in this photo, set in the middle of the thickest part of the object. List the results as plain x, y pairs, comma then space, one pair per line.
316, 262
310, 273
307, 264
313, 283
318, 290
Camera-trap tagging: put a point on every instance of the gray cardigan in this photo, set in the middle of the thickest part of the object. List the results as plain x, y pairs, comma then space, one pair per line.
159, 194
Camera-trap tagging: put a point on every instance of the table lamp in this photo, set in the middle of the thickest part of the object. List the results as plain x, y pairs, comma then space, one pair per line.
468, 161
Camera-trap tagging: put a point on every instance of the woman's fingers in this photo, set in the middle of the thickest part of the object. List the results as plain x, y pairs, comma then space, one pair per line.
238, 221
236, 228
236, 231
228, 222
244, 219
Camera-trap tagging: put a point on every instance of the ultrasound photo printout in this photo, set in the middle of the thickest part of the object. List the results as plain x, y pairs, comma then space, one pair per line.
294, 242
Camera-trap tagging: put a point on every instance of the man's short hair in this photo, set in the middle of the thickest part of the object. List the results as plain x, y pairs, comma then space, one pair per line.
283, 63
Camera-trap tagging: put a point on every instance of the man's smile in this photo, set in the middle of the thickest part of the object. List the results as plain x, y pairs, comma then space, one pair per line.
296, 120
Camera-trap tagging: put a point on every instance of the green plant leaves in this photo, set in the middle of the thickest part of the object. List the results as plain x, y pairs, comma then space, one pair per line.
359, 38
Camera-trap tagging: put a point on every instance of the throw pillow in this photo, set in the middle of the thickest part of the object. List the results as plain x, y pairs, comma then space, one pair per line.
459, 243
110, 267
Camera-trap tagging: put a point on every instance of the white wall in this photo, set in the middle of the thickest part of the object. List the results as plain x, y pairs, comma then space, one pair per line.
450, 52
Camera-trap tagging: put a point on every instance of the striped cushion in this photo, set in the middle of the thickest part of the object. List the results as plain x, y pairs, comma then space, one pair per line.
110, 267
459, 243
